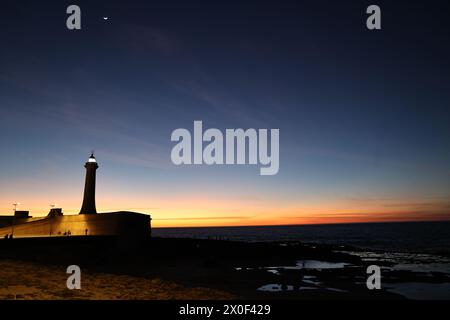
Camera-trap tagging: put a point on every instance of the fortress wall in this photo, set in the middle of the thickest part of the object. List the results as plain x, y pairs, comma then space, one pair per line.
122, 224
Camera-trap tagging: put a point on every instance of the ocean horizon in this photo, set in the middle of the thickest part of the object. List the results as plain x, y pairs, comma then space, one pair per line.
414, 236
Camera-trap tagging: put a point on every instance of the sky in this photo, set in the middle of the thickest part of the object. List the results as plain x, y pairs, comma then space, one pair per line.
363, 115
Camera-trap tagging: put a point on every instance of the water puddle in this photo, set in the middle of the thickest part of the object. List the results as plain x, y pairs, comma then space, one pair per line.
274, 271
320, 265
312, 280
273, 287
407, 261
280, 288
421, 291
311, 264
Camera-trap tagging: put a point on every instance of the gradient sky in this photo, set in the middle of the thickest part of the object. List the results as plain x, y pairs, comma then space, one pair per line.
363, 116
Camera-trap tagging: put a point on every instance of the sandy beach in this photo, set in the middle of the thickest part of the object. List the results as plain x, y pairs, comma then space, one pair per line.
30, 281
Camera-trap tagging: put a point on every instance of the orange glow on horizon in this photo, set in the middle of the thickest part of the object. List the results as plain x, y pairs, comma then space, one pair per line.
336, 218
192, 211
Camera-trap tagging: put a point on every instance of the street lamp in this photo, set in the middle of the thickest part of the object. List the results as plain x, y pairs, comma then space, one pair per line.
15, 205
14, 217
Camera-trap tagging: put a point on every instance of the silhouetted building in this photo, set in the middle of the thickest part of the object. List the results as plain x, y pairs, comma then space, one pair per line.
21, 214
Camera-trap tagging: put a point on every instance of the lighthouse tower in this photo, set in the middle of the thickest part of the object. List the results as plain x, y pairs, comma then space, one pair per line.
88, 206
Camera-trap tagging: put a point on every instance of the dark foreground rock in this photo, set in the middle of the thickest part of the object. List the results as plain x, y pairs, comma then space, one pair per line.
264, 270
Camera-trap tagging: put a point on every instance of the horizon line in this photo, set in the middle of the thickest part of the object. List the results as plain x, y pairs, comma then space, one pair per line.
305, 224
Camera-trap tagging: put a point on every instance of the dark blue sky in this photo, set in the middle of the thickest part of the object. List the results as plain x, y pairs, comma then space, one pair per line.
363, 115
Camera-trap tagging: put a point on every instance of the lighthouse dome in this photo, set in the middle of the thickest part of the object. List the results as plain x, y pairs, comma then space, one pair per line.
92, 158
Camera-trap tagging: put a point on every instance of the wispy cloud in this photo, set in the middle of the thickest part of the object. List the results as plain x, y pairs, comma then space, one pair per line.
145, 158
221, 102
142, 39
407, 215
208, 218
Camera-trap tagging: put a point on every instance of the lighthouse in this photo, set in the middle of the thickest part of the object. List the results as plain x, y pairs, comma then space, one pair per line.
128, 228
88, 206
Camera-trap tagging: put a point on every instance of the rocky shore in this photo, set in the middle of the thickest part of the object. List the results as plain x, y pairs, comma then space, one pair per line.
197, 269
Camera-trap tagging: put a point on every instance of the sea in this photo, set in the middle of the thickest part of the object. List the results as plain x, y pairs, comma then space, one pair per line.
412, 237
422, 247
